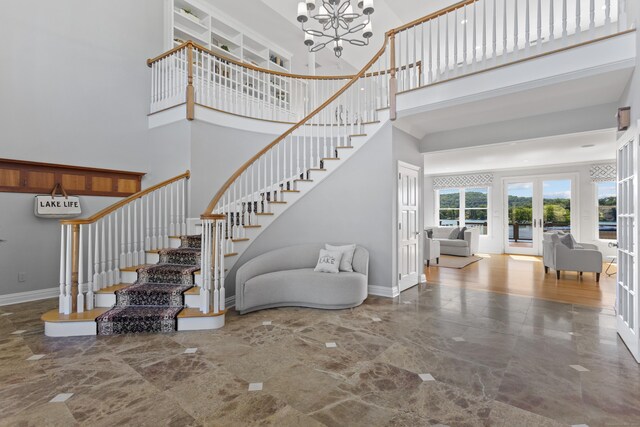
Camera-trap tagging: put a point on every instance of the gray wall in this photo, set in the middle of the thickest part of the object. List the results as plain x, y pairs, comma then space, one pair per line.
352, 205
75, 90
216, 153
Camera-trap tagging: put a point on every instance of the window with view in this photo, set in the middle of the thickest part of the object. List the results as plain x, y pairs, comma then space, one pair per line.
476, 203
607, 212
466, 207
449, 212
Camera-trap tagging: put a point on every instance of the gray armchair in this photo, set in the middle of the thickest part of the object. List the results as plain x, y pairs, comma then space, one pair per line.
431, 250
584, 257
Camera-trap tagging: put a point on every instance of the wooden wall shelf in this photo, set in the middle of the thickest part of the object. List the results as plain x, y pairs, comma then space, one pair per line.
20, 176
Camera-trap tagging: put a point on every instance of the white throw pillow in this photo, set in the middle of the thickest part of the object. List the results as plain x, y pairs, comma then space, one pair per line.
346, 263
328, 261
453, 235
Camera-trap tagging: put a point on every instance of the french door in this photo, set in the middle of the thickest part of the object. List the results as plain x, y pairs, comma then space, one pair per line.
408, 226
627, 277
535, 205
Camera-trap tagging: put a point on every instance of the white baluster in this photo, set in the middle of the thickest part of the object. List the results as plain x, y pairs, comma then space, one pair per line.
564, 19
81, 284
527, 26
539, 27
551, 21
136, 254
129, 252
90, 261
592, 14
68, 270
103, 255
97, 280
607, 12
116, 249
111, 272
63, 273
494, 39
516, 42
165, 235
578, 18
142, 255
504, 30
172, 225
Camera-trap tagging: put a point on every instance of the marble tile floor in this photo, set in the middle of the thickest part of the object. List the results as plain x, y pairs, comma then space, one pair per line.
450, 356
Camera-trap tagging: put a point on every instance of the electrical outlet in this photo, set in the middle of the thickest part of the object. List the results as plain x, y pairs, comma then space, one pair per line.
22, 277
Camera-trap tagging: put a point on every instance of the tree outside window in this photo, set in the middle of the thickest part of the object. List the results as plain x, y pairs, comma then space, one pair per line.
466, 207
607, 211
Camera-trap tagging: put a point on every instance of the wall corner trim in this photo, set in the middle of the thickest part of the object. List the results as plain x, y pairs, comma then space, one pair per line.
20, 297
384, 291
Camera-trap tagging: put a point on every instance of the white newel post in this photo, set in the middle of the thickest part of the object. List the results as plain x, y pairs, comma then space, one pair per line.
63, 274
81, 285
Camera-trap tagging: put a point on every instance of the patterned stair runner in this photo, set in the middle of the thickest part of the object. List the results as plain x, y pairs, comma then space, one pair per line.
153, 302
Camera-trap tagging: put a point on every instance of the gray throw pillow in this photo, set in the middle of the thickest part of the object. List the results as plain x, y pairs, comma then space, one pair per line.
328, 261
347, 255
567, 240
454, 233
461, 233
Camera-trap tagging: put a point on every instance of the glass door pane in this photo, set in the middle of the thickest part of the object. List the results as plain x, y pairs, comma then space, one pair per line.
556, 205
520, 215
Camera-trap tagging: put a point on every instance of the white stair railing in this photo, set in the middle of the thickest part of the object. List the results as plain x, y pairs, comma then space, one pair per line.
275, 170
224, 84
474, 35
93, 250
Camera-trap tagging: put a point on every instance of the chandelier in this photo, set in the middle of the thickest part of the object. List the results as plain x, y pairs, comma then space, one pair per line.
338, 22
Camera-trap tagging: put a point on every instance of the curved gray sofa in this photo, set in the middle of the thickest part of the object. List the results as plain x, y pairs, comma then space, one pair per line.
285, 277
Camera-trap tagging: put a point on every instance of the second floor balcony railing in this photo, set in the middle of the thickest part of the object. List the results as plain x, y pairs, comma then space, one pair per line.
468, 37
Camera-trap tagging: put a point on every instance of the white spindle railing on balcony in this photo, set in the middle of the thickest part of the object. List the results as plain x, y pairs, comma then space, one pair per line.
93, 250
227, 85
475, 35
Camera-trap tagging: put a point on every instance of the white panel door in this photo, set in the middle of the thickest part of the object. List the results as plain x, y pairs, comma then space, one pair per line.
408, 226
627, 276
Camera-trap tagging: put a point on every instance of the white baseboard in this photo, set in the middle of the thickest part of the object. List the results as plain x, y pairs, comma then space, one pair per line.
20, 297
384, 291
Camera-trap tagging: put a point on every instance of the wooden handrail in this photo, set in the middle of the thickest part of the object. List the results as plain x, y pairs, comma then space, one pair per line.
431, 16
106, 211
242, 64
225, 187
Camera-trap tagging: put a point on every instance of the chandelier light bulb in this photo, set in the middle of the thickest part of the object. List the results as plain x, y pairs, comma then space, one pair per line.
349, 11
302, 12
308, 39
367, 33
367, 7
311, 4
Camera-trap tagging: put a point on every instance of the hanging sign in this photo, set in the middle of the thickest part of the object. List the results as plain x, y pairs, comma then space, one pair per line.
57, 206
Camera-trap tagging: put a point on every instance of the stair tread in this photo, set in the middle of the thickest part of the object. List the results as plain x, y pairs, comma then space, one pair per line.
135, 268
330, 158
252, 226
193, 291
195, 312
278, 202
344, 146
244, 239
265, 213
317, 169
290, 191
111, 289
86, 316
357, 134
303, 180
231, 254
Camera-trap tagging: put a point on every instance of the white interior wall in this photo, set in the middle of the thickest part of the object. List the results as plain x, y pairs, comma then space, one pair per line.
75, 90
587, 217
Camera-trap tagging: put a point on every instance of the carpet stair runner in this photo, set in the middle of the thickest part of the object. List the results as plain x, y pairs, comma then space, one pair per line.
153, 302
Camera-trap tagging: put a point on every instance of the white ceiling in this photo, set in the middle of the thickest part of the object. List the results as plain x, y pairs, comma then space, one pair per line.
531, 153
275, 20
